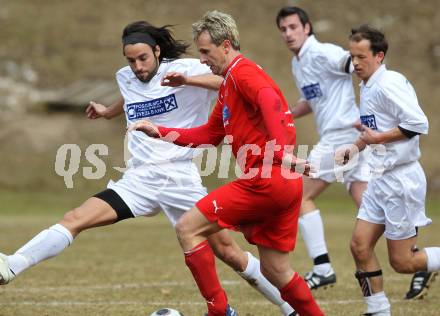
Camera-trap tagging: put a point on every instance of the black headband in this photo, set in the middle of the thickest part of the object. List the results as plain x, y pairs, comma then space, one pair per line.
138, 37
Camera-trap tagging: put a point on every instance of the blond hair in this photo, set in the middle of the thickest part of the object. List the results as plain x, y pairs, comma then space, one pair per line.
220, 26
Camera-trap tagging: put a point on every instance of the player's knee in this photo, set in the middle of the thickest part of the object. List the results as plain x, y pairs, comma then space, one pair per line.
72, 217
360, 250
182, 229
402, 265
72, 221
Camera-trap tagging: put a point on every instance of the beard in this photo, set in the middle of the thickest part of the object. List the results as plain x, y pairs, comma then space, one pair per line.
151, 74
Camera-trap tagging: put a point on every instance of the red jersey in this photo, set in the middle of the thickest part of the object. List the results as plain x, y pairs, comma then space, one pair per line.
238, 113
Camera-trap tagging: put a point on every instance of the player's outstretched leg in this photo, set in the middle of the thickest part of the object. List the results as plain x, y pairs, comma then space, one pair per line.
248, 267
52, 241
48, 243
6, 275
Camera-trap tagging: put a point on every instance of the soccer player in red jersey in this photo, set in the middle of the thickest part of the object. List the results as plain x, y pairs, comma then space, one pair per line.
264, 202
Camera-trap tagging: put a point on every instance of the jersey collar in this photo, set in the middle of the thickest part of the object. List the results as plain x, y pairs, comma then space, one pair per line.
310, 41
234, 62
376, 75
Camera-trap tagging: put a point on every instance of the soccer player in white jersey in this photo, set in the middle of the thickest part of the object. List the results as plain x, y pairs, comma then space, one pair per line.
170, 91
394, 203
322, 73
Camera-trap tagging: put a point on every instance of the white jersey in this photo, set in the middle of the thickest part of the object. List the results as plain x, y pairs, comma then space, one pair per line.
387, 101
322, 73
182, 107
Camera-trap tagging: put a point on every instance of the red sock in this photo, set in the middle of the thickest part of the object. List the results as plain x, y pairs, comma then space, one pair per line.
200, 260
299, 296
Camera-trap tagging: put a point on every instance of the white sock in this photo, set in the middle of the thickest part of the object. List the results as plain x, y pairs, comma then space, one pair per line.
312, 231
323, 269
378, 303
433, 258
252, 274
48, 243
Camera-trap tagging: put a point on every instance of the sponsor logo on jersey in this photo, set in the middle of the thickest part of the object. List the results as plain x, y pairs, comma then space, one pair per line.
312, 91
153, 107
369, 121
226, 115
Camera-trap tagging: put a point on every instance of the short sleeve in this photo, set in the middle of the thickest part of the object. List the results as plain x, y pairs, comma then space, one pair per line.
195, 67
402, 101
121, 79
337, 60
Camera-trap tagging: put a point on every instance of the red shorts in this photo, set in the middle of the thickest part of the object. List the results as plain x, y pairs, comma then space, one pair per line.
265, 210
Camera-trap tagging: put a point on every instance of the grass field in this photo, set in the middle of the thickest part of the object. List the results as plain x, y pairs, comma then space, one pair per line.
136, 266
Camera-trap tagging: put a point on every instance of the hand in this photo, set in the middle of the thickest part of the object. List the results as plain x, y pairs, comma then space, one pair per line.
300, 165
173, 79
96, 110
370, 136
344, 153
145, 126
358, 125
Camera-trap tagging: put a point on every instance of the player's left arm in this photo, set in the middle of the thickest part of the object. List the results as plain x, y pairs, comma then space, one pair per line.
260, 94
270, 105
206, 81
369, 136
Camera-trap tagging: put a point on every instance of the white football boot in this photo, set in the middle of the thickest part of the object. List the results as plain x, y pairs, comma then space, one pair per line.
6, 274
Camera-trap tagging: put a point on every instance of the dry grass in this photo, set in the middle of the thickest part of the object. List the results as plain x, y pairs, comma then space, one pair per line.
136, 267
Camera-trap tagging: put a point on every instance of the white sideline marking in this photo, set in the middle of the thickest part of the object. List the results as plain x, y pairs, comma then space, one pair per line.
167, 303
124, 286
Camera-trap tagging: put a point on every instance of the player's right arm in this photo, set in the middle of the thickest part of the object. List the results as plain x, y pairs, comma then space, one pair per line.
301, 108
96, 110
207, 81
344, 153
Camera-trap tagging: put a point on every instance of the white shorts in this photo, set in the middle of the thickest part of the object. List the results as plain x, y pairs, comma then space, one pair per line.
397, 200
322, 158
173, 188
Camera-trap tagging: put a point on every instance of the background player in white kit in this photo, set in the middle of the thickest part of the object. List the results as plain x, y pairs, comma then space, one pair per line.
394, 203
160, 175
322, 73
